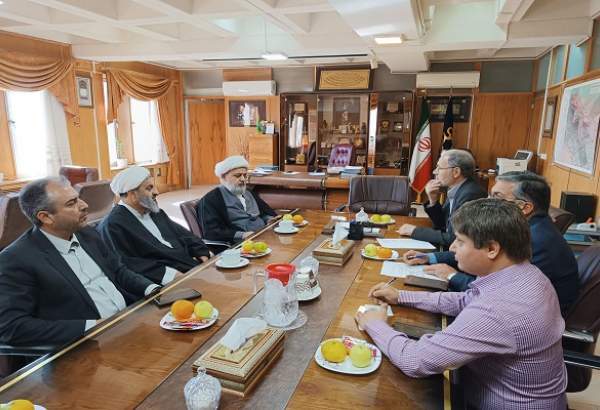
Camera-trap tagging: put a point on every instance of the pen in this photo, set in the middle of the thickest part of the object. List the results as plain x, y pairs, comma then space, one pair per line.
417, 256
389, 282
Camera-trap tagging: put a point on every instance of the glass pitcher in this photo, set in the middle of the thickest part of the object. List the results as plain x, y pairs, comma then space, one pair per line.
280, 301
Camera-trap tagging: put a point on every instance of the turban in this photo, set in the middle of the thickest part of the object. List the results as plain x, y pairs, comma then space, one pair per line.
129, 179
229, 163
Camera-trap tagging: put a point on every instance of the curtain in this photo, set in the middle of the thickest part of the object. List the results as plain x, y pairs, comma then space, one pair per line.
28, 72
147, 87
40, 147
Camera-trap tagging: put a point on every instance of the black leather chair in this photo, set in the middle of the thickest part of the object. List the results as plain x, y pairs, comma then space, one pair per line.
99, 197
188, 208
562, 219
13, 222
582, 323
380, 194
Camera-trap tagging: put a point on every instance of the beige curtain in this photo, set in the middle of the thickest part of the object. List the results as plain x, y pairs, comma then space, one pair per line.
27, 72
148, 87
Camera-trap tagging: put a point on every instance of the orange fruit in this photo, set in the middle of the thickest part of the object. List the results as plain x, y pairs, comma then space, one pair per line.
182, 309
298, 219
384, 253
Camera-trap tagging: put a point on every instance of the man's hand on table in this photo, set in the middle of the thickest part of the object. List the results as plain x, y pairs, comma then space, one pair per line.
441, 270
415, 258
375, 314
384, 293
204, 258
406, 230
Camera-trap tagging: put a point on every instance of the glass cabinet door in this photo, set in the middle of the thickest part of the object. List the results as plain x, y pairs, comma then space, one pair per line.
342, 119
299, 131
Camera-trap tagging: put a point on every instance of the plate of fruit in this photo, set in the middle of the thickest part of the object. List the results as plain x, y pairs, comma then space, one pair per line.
20, 404
348, 355
378, 253
298, 220
184, 315
252, 249
384, 219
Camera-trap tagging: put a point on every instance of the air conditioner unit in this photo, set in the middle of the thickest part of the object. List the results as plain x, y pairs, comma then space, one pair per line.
241, 88
463, 79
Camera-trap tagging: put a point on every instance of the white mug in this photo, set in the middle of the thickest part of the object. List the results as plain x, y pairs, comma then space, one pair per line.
286, 225
231, 257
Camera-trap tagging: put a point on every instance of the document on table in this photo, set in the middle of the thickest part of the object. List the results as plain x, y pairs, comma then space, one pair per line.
402, 270
405, 244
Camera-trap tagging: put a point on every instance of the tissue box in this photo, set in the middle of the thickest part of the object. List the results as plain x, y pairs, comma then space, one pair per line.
338, 255
239, 371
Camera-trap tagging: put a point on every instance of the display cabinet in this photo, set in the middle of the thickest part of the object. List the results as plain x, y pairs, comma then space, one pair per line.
298, 132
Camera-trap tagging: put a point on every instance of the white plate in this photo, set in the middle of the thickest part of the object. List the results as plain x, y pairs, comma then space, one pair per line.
395, 255
35, 406
278, 230
346, 366
315, 293
167, 322
243, 262
256, 255
303, 223
391, 222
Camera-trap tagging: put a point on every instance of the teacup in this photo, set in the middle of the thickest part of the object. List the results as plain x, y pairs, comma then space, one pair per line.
286, 225
231, 257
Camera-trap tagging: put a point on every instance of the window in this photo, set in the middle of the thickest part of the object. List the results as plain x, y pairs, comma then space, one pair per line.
38, 133
148, 145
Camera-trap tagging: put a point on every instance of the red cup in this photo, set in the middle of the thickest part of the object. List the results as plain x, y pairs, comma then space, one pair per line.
280, 271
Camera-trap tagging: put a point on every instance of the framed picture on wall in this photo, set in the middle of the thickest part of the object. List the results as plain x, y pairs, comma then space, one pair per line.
84, 91
577, 129
247, 113
549, 118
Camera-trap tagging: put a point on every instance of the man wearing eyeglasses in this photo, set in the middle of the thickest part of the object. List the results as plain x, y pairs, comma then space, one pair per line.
550, 252
231, 213
454, 172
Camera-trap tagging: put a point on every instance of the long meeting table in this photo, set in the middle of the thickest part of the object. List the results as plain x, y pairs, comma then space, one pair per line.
129, 361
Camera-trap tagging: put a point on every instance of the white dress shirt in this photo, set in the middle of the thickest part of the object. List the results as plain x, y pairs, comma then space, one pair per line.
149, 224
104, 294
242, 200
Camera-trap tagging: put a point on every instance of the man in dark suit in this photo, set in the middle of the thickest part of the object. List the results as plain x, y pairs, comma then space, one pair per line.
550, 252
147, 240
59, 279
231, 213
454, 171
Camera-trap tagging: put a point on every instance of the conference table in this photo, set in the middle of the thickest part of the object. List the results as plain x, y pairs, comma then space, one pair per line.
129, 361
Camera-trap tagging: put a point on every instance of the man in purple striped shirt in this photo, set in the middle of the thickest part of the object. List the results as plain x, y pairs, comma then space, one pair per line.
508, 328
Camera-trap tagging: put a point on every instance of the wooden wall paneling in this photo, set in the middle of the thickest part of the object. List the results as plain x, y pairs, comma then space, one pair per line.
206, 132
262, 150
101, 130
558, 178
500, 126
248, 74
7, 161
82, 139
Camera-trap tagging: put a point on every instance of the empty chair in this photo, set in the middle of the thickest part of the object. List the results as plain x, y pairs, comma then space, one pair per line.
188, 209
76, 174
582, 323
562, 219
12, 221
99, 197
380, 194
342, 155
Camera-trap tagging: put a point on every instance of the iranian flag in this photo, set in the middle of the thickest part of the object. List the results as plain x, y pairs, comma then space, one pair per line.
421, 162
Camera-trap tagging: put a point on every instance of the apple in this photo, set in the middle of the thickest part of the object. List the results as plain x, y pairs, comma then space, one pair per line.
260, 247
361, 355
203, 309
288, 217
386, 218
247, 246
371, 249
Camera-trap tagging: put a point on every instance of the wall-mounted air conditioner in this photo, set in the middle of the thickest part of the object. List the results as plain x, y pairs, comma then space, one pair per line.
241, 88
462, 79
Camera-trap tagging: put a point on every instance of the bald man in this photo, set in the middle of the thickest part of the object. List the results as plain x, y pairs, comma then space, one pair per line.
148, 241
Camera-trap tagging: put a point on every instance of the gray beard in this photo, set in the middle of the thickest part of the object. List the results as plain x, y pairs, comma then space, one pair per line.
149, 203
235, 190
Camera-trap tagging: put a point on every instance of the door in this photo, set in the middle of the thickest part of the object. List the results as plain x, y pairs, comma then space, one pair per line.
206, 119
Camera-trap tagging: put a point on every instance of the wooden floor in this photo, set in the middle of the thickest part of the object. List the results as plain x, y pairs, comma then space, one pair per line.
169, 202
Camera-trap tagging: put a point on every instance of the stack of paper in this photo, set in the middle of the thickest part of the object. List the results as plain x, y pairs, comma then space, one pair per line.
413, 275
405, 244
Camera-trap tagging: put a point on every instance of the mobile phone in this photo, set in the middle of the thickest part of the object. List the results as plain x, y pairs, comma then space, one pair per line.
413, 331
170, 297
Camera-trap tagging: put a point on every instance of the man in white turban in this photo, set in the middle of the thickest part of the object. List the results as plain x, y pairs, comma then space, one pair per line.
230, 212
147, 240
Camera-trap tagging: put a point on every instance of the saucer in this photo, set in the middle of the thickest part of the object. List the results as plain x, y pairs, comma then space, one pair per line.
279, 230
243, 262
306, 296
301, 224
256, 254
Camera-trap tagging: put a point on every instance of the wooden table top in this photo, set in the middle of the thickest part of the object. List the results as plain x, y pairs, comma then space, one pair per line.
129, 361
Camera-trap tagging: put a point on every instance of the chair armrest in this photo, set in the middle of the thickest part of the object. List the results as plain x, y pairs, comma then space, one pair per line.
341, 208
581, 359
578, 336
10, 350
